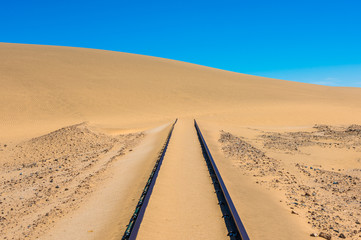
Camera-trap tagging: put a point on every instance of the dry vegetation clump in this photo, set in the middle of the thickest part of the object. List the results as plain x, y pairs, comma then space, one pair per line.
46, 177
330, 201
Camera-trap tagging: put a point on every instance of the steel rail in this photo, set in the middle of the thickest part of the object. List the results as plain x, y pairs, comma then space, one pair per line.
132, 229
236, 229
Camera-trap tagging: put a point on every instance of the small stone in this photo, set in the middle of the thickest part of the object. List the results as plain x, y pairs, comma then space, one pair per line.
57, 186
341, 236
325, 235
314, 235
293, 212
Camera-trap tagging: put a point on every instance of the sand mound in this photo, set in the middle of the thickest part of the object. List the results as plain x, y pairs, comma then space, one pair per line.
49, 176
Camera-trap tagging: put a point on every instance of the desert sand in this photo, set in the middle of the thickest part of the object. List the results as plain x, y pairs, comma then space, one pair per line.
80, 130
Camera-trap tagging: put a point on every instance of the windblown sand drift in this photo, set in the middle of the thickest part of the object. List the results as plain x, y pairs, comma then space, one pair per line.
47, 177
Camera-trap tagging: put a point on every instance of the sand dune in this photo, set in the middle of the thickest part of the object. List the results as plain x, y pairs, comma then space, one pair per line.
111, 101
45, 87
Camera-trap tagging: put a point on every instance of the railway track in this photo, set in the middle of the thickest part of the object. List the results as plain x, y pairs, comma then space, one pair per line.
132, 229
235, 228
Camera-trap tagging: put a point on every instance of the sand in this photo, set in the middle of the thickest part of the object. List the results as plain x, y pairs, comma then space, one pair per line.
317, 183
107, 212
183, 204
44, 88
122, 97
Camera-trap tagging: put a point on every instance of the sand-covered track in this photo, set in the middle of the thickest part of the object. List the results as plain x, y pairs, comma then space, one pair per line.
137, 217
235, 227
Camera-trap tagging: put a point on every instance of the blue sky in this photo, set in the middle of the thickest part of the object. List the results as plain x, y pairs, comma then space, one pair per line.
309, 41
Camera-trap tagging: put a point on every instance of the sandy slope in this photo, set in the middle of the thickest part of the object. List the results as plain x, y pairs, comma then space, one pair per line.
108, 210
46, 178
44, 88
